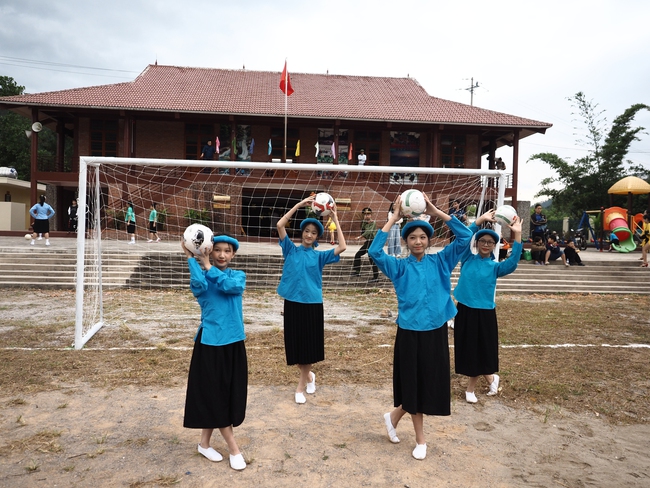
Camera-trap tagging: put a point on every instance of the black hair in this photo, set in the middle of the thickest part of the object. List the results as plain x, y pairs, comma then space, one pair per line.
42, 200
130, 204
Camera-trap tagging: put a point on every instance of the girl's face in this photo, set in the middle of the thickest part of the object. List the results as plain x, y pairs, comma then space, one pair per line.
417, 243
222, 253
485, 246
309, 235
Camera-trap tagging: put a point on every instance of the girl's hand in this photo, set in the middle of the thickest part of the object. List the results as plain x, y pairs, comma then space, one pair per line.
486, 217
187, 252
204, 258
515, 227
307, 201
397, 210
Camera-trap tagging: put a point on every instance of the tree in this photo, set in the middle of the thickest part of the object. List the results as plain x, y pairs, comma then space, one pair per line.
14, 146
585, 181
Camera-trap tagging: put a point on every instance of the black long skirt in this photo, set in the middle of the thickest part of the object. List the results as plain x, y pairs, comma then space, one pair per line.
217, 386
421, 376
304, 332
476, 341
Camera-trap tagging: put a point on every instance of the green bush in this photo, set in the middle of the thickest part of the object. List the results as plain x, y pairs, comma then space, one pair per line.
197, 216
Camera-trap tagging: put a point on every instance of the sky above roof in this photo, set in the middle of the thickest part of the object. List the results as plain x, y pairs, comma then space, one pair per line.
526, 58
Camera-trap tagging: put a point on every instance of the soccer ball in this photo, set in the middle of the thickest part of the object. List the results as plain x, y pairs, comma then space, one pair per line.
413, 203
505, 215
322, 204
197, 238
28, 236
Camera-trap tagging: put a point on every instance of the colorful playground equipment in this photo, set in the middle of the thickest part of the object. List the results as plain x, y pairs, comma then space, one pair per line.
615, 220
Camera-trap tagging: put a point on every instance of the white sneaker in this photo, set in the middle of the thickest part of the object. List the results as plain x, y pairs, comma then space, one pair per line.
211, 454
470, 396
311, 387
494, 386
47, 243
32, 243
420, 451
300, 398
149, 240
158, 240
40, 238
237, 462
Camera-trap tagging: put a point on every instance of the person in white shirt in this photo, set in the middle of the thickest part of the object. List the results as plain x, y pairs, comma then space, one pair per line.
361, 157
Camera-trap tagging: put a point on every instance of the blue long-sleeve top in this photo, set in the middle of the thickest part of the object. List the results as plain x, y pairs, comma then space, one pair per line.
302, 273
423, 288
219, 294
41, 212
476, 287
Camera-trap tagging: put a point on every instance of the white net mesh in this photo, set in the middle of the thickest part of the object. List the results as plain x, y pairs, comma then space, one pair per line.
244, 201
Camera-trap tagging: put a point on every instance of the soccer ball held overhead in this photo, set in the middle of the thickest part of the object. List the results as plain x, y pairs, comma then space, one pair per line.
322, 204
197, 238
413, 203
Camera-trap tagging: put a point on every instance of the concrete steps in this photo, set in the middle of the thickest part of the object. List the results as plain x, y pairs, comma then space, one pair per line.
48, 268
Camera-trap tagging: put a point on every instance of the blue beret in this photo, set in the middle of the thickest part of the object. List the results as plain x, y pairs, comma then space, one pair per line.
316, 222
413, 224
227, 239
488, 232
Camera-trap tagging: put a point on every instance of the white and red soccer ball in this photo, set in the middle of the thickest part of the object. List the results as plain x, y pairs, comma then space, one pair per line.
323, 204
197, 239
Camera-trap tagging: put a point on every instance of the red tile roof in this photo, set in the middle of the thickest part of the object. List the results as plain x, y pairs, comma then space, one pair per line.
202, 90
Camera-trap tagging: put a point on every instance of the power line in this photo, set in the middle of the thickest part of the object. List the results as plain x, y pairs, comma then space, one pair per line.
64, 65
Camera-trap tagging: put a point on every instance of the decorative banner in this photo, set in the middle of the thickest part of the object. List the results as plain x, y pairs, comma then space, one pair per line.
298, 148
270, 148
350, 153
334, 155
217, 144
252, 146
317, 146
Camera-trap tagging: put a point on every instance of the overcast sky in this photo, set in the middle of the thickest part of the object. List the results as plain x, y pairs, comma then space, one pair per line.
527, 57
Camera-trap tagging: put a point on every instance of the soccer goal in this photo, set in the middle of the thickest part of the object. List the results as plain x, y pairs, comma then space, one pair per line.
241, 198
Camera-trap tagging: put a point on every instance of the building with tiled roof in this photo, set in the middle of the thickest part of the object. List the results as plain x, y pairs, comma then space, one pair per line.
170, 112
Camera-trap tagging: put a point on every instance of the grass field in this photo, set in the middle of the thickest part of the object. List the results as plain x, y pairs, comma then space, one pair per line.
584, 353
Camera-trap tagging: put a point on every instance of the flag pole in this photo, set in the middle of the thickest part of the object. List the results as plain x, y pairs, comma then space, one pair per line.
286, 96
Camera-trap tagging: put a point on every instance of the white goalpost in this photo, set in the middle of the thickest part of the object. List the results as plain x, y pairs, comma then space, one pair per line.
243, 199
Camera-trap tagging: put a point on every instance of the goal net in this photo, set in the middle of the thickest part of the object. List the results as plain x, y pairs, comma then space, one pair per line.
245, 200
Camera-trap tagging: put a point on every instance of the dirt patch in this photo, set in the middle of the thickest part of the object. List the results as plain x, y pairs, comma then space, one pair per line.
572, 410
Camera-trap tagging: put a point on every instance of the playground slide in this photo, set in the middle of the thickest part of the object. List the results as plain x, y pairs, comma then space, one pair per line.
615, 221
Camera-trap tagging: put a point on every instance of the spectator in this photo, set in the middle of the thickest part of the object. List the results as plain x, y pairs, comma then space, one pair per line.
72, 216
368, 231
538, 251
41, 213
572, 256
554, 252
538, 223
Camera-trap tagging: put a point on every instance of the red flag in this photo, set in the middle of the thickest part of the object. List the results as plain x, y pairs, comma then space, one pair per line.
285, 81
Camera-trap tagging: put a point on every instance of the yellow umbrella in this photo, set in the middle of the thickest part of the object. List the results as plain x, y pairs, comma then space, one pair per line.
630, 184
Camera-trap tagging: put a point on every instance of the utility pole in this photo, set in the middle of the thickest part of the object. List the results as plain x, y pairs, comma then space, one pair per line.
471, 90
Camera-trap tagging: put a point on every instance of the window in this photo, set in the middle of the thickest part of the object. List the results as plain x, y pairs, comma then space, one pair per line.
452, 151
370, 142
197, 136
103, 138
404, 149
277, 142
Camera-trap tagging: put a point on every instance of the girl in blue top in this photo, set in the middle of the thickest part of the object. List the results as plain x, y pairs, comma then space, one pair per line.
42, 213
301, 286
476, 338
421, 377
218, 378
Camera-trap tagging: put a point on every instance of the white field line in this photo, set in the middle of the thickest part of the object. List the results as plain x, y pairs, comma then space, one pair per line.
183, 348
